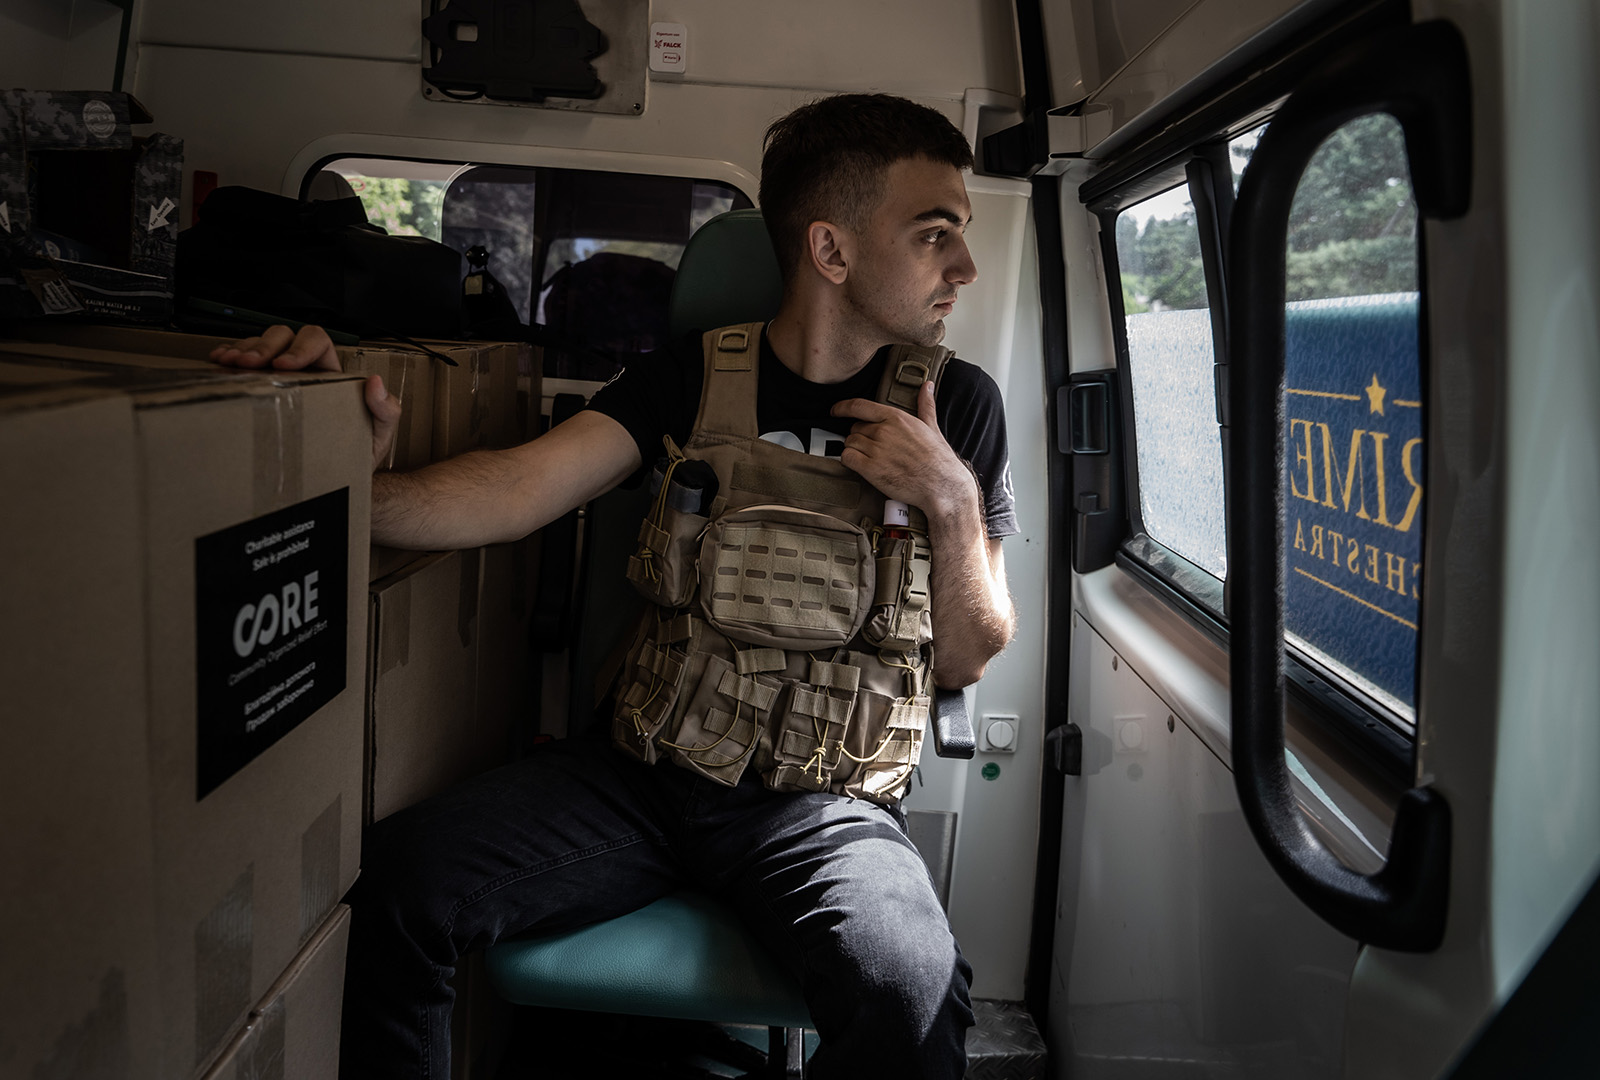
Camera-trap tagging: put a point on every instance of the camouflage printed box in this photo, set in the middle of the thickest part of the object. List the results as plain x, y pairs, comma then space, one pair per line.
88, 211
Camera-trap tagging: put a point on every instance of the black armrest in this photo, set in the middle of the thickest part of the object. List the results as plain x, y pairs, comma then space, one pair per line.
953, 736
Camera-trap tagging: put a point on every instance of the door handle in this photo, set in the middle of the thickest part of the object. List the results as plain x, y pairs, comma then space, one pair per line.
1419, 75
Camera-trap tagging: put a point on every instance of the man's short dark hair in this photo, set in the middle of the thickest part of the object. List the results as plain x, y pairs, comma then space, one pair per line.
825, 162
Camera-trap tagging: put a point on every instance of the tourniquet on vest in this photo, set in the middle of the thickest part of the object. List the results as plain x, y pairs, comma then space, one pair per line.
788, 632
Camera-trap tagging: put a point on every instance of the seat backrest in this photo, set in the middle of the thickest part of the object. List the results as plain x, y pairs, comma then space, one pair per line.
728, 274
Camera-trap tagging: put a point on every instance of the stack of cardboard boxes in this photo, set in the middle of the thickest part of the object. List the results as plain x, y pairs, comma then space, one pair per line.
197, 727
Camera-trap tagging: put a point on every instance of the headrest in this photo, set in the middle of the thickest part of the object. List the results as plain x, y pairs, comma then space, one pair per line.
728, 274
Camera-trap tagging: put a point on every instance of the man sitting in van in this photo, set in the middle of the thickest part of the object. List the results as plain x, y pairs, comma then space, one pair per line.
762, 734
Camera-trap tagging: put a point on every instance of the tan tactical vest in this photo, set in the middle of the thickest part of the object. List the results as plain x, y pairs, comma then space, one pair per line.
789, 634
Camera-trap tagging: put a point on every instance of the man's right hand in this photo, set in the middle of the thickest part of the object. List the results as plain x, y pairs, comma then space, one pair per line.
282, 349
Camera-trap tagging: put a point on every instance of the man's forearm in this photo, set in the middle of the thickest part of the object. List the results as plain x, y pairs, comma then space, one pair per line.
495, 496
464, 502
972, 614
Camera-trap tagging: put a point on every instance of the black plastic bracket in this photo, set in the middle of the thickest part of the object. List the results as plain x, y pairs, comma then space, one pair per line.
1063, 749
1088, 427
953, 736
513, 50
1019, 150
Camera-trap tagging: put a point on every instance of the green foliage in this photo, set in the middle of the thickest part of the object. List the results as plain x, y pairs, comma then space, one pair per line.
1353, 225
1161, 267
1352, 228
402, 207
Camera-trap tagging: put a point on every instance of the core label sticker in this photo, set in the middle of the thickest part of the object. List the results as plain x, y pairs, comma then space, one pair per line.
270, 626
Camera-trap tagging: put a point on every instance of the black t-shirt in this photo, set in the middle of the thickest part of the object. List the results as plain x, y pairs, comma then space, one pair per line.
660, 395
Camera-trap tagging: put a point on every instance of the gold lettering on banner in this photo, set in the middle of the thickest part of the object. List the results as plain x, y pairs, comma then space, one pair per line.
1344, 479
1389, 569
1378, 438
1310, 493
1352, 472
1394, 568
1416, 486
1352, 596
1343, 468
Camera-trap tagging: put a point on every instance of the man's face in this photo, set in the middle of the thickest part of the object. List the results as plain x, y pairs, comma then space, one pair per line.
911, 254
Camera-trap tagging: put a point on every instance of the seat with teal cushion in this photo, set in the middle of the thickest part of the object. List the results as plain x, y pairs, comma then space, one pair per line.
728, 274
687, 956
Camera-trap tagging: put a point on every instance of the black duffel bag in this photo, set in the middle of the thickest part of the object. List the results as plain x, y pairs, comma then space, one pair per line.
318, 262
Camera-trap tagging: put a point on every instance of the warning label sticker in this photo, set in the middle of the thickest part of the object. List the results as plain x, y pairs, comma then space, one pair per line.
270, 625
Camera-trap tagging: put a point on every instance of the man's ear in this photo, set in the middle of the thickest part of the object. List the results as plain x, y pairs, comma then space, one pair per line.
830, 250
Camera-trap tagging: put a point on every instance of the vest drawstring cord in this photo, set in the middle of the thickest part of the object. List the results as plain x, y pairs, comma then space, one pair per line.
658, 518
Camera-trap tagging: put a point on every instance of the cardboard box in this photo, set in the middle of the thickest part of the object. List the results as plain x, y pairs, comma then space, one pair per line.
130, 339
408, 376
423, 732
88, 212
475, 402
78, 986
407, 373
449, 410
247, 534
293, 1032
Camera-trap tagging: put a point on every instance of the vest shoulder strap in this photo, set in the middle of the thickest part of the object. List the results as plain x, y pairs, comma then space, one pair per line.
733, 356
908, 368
728, 390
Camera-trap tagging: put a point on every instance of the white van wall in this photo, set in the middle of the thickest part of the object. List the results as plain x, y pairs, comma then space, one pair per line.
261, 94
59, 44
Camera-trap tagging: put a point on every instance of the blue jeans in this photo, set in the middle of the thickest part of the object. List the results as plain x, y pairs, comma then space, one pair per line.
577, 833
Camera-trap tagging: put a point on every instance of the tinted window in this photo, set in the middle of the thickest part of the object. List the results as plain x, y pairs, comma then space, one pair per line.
591, 256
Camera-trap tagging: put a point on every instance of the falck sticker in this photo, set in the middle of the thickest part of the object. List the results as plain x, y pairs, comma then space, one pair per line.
270, 627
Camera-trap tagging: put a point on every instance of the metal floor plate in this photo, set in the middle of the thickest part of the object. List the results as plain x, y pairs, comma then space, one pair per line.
1004, 1044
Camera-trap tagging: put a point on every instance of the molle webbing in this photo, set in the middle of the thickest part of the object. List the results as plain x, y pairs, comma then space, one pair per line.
797, 640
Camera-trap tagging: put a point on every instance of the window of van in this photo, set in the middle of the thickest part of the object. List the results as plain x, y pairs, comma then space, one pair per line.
587, 255
1167, 320
1353, 462
1353, 405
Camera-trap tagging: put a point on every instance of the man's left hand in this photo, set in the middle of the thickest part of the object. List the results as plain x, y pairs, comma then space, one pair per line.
904, 456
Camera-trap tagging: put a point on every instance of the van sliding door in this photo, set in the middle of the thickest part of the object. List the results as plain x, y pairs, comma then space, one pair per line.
1253, 821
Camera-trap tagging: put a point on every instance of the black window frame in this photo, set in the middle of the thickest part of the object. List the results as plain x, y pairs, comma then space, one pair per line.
1381, 740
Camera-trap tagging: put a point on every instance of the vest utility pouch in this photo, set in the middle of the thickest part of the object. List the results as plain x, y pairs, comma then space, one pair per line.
884, 744
809, 740
786, 578
650, 684
663, 566
722, 721
900, 620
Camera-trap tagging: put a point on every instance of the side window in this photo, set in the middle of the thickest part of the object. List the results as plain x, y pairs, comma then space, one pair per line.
1353, 404
611, 251
1353, 463
1170, 359
589, 256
